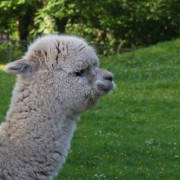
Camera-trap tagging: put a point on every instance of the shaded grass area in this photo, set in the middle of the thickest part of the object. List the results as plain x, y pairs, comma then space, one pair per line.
134, 132
6, 86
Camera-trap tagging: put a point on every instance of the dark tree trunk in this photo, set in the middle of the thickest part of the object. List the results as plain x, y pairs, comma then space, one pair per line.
61, 24
24, 21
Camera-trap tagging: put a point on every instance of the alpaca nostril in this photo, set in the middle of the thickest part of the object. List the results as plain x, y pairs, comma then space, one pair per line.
108, 77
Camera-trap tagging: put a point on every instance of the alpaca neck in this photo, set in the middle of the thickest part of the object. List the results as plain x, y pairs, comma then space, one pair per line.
37, 123
35, 109
38, 99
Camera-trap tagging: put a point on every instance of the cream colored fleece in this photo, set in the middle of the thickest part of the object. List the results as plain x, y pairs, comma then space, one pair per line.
57, 79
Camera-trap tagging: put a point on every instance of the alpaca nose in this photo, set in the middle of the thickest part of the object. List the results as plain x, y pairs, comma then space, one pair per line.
108, 76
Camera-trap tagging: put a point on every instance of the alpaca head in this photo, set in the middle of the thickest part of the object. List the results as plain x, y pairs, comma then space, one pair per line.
73, 67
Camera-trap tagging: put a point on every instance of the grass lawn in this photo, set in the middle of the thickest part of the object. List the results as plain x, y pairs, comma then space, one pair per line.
6, 86
134, 132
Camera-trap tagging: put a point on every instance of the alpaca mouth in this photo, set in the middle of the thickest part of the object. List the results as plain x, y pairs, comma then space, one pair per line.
105, 88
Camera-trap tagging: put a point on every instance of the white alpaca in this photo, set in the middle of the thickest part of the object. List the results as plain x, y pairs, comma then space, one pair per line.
58, 78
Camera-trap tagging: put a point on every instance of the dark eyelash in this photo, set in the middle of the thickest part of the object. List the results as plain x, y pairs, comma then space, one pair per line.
80, 73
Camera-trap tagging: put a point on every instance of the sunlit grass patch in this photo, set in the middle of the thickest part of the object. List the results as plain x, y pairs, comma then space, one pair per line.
1, 67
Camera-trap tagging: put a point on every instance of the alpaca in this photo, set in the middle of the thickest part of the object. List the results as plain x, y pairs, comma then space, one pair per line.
57, 79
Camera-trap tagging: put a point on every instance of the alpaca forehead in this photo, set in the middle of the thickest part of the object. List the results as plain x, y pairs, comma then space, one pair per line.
63, 50
54, 42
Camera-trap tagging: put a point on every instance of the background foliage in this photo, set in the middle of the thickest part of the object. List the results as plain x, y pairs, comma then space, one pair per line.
120, 23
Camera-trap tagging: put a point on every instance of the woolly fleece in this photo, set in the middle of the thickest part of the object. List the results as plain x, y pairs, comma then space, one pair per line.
57, 79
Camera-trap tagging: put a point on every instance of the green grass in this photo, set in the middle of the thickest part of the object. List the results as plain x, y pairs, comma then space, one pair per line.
134, 132
6, 86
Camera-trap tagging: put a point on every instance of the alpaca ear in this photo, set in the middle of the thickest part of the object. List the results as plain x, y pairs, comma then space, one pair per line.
21, 67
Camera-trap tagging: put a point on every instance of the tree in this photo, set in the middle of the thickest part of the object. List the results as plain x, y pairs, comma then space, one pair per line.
18, 15
122, 23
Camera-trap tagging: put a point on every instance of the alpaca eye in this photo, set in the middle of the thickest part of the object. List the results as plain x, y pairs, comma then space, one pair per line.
80, 73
